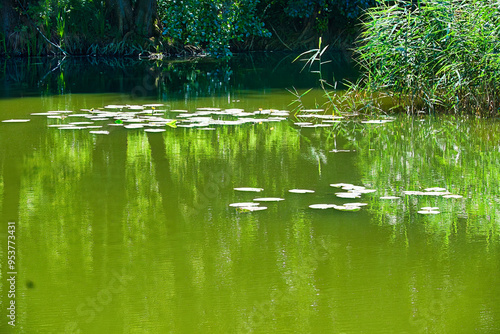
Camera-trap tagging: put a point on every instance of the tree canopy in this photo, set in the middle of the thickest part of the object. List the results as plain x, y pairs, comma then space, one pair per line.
218, 27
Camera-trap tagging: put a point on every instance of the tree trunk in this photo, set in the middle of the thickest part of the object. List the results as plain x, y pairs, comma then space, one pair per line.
121, 15
145, 11
8, 16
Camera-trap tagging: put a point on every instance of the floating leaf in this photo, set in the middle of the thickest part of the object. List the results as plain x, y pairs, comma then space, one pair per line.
71, 127
134, 126
81, 123
100, 132
365, 191
435, 189
390, 197
347, 207
268, 199
428, 212
313, 110
348, 195
16, 121
322, 206
43, 113
251, 208
243, 204
411, 192
172, 124
301, 191
249, 189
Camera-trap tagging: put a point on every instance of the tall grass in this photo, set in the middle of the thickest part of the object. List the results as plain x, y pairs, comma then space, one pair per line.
422, 56
433, 55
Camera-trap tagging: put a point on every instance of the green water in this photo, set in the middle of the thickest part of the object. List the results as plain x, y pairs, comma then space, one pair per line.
132, 232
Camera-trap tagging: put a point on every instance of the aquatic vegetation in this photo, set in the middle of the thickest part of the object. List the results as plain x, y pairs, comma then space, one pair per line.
268, 199
301, 191
249, 189
351, 208
433, 55
243, 204
348, 195
458, 155
428, 210
251, 208
322, 206
15, 121
100, 132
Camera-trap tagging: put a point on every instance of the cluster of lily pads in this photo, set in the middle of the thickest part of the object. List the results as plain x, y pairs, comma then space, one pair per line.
156, 118
151, 118
255, 205
350, 192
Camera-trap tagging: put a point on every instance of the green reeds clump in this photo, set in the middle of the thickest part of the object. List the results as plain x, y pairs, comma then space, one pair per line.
433, 55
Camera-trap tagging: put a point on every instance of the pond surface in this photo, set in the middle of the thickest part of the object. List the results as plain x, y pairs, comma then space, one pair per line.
132, 232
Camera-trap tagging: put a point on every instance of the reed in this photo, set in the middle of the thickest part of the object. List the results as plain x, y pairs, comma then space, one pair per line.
433, 55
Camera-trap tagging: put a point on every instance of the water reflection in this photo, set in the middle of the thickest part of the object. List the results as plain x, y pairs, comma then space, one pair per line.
169, 79
132, 232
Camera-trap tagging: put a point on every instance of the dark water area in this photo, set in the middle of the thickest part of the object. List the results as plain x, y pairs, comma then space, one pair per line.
177, 78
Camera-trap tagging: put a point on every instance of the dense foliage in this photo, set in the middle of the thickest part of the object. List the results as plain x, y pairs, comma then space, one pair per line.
218, 27
211, 24
434, 55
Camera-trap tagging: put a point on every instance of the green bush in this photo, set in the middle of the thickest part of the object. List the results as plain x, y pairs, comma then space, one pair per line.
210, 24
433, 55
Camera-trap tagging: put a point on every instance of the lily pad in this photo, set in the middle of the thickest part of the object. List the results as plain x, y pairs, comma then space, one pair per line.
100, 132
134, 126
243, 204
249, 189
428, 212
268, 199
452, 196
348, 195
435, 189
340, 151
366, 191
81, 123
16, 120
322, 206
347, 207
412, 192
251, 208
43, 113
313, 110
301, 191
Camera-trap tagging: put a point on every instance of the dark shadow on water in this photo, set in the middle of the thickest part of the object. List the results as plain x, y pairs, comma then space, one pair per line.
173, 78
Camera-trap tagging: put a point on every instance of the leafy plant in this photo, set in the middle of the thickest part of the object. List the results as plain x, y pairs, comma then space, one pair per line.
211, 25
433, 55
